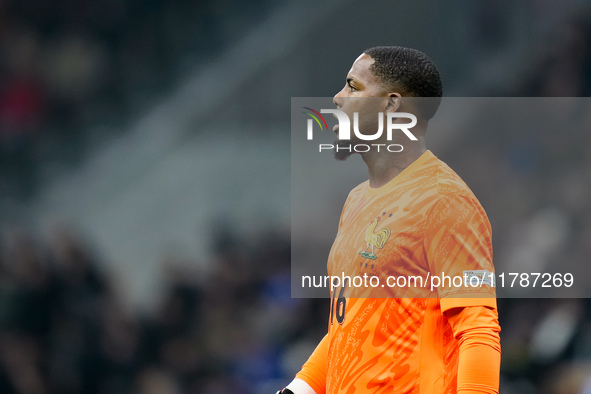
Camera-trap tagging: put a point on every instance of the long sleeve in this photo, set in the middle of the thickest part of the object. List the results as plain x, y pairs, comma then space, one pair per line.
314, 370
477, 330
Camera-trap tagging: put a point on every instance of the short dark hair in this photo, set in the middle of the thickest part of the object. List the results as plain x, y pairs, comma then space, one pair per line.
410, 70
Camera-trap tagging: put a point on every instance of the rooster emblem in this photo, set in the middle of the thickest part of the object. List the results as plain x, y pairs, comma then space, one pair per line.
375, 239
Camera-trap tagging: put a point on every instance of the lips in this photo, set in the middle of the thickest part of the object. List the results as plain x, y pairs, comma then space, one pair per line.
335, 128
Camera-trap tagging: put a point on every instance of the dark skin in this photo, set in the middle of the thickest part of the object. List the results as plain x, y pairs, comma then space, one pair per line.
382, 166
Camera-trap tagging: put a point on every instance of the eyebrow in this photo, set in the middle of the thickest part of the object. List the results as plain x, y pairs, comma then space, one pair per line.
352, 79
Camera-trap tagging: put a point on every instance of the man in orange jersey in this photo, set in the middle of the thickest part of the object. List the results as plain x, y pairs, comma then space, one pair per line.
413, 218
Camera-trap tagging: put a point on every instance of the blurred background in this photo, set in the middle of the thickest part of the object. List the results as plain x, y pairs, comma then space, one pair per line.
145, 183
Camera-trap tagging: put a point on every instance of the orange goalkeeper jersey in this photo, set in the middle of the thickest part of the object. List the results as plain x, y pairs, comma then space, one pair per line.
391, 335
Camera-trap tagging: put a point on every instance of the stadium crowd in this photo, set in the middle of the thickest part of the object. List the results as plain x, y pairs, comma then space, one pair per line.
74, 72
63, 329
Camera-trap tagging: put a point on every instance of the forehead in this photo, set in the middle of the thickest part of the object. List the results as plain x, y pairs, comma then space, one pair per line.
361, 70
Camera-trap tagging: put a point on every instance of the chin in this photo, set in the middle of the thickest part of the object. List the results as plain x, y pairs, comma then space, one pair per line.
345, 150
342, 156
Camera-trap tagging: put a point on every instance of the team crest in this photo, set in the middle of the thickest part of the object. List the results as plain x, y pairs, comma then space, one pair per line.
375, 239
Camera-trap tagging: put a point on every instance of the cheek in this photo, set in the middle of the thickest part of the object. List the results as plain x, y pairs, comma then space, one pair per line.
369, 115
369, 123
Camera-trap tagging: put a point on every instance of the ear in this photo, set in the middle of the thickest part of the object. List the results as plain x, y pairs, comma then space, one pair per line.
394, 102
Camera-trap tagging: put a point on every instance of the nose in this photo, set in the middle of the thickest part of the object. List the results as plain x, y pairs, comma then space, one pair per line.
338, 99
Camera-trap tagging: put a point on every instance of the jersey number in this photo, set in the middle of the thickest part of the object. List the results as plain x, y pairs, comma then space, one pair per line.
339, 308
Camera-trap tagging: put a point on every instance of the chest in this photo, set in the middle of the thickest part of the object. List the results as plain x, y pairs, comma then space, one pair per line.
381, 237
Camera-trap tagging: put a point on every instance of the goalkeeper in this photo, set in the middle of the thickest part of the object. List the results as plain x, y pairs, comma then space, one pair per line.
413, 216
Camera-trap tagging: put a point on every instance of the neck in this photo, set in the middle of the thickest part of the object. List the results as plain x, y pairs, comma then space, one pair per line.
384, 166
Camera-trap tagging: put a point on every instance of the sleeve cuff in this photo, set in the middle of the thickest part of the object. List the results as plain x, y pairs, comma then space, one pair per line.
457, 301
298, 386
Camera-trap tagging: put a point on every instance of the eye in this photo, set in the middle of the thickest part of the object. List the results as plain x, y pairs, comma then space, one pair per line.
351, 87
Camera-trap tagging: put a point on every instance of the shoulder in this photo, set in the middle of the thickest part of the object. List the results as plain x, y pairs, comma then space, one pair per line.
452, 194
449, 182
450, 186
